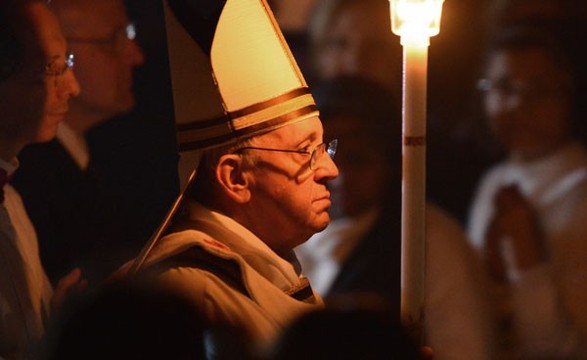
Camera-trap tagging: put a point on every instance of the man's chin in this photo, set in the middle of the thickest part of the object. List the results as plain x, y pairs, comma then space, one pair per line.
323, 223
46, 134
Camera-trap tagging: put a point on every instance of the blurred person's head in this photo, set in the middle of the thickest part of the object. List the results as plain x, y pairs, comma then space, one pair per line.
354, 37
529, 91
36, 82
350, 333
361, 113
101, 37
127, 320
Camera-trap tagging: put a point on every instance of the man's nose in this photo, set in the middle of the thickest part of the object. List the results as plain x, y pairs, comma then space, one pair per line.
326, 168
69, 86
133, 53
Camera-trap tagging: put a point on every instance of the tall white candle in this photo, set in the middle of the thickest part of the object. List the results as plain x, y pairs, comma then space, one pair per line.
414, 186
415, 21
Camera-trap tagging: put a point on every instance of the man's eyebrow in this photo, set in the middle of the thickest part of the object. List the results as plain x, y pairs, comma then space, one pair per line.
308, 140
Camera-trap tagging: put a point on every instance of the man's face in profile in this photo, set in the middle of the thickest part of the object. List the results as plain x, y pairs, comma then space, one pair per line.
34, 100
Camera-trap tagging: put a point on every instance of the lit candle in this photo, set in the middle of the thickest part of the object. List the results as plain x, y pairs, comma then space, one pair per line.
415, 21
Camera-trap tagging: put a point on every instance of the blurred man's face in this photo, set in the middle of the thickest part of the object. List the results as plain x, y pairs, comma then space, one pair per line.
359, 41
35, 100
364, 171
98, 34
529, 106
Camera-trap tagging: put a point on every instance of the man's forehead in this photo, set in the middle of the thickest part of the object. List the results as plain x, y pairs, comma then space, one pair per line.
46, 27
308, 129
89, 17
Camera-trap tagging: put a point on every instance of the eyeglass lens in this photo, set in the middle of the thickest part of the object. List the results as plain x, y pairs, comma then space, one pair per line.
57, 70
510, 87
131, 31
116, 40
128, 33
317, 154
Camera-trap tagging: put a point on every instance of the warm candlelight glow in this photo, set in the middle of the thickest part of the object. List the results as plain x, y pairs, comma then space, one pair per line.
415, 20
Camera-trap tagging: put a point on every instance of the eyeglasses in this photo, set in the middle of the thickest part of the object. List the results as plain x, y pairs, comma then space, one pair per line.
315, 155
116, 40
509, 87
56, 69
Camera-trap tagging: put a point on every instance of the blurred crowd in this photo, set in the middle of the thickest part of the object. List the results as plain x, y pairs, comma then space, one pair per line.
506, 189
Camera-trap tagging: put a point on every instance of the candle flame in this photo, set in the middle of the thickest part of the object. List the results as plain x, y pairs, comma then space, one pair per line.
416, 20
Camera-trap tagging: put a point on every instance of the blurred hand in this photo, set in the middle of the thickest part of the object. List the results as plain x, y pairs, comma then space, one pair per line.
492, 253
68, 286
515, 219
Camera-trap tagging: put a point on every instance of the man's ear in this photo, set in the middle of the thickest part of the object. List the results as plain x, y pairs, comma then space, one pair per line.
232, 177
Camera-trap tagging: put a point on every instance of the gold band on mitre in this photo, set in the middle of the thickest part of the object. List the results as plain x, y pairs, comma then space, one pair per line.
296, 105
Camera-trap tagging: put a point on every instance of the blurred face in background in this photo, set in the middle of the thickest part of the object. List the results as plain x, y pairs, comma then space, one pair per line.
364, 171
528, 102
99, 35
358, 41
60, 81
35, 98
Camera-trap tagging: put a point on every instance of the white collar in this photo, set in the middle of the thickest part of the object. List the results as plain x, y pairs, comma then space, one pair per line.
246, 244
75, 144
538, 179
9, 166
